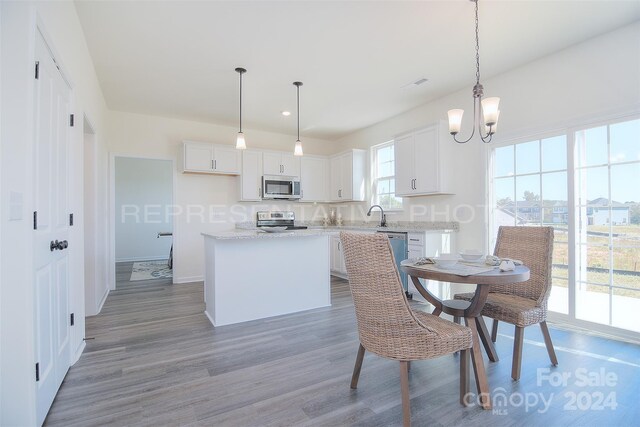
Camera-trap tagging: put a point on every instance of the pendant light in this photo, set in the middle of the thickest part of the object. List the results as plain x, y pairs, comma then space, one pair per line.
298, 148
240, 143
485, 111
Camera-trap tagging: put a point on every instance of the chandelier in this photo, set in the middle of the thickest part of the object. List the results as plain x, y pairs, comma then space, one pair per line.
485, 111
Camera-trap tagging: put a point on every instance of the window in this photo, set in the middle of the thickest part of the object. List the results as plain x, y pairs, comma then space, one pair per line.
607, 202
530, 188
531, 184
384, 181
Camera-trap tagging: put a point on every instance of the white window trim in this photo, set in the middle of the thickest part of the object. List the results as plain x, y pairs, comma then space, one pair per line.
374, 178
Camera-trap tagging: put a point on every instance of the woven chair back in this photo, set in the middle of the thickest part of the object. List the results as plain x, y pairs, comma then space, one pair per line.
534, 247
386, 324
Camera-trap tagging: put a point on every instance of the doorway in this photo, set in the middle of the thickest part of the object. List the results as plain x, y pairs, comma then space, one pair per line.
95, 235
143, 224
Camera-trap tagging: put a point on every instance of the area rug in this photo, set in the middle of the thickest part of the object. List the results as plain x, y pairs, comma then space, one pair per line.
150, 270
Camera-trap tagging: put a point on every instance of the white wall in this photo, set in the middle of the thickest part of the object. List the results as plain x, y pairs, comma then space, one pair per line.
596, 78
157, 137
18, 35
143, 195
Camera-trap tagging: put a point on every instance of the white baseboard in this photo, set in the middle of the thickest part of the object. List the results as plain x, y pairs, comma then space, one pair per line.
179, 280
206, 313
143, 258
76, 356
102, 300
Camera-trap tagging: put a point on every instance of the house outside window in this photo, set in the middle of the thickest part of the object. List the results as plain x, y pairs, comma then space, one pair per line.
383, 177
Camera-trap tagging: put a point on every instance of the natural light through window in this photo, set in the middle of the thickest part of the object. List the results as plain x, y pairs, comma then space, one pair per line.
384, 181
600, 212
530, 189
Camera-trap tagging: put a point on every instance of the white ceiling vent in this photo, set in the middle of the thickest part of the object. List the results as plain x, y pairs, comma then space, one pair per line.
415, 83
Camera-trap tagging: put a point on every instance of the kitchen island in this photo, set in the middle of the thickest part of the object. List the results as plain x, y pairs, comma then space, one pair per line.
251, 274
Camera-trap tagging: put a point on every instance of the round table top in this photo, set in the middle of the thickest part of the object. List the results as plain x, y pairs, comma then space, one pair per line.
494, 277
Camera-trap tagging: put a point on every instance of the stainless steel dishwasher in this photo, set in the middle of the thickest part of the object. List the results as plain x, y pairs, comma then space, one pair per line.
398, 242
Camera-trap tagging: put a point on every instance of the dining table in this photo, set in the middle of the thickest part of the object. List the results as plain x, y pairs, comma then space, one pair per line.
469, 310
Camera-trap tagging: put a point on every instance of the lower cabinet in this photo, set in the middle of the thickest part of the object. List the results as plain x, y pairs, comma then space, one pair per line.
337, 257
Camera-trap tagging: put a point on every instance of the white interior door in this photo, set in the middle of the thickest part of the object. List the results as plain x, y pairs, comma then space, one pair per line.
51, 264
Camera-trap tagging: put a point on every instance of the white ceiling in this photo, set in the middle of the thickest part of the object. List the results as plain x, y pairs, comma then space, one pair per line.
177, 58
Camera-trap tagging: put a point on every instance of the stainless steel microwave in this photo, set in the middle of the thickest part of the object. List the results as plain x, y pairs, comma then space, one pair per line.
281, 187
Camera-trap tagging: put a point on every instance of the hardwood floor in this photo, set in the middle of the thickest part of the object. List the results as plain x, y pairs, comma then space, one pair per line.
156, 360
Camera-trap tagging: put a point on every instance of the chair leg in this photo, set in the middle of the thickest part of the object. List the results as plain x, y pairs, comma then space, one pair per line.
494, 330
517, 353
357, 367
464, 375
404, 389
548, 343
456, 319
486, 341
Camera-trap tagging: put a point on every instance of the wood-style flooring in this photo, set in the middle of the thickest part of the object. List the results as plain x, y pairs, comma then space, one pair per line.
156, 360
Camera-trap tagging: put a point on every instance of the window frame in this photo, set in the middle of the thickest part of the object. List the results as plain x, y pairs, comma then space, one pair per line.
568, 129
375, 178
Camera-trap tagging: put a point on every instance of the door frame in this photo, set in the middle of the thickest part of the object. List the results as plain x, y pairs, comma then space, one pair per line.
112, 208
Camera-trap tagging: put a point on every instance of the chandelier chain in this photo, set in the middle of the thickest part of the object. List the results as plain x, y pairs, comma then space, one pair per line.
477, 47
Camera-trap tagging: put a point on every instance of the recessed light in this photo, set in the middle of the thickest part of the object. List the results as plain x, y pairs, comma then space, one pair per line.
286, 113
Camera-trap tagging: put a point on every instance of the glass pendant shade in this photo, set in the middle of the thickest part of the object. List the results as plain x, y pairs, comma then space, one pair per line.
455, 120
240, 144
490, 110
297, 151
494, 128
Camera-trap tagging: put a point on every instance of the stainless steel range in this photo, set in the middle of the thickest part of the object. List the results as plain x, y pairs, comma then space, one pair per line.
286, 219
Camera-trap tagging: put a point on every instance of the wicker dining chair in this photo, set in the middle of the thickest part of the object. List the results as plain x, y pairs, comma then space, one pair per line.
522, 304
387, 326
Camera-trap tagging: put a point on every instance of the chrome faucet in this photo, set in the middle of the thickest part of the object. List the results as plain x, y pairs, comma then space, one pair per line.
383, 217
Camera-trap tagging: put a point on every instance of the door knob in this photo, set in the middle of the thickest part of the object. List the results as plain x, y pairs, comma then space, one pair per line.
56, 245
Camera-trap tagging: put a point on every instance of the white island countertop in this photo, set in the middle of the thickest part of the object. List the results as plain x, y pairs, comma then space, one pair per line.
256, 234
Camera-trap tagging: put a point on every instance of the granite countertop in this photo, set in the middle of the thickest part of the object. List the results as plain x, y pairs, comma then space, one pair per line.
240, 234
400, 226
398, 229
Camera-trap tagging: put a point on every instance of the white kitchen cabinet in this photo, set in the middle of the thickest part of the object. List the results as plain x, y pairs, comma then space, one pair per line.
347, 182
415, 245
198, 157
226, 159
338, 266
283, 164
419, 164
314, 178
251, 176
210, 158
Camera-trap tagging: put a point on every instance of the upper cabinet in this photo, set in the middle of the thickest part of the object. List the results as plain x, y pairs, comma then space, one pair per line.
314, 177
210, 158
251, 176
348, 176
419, 164
280, 164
